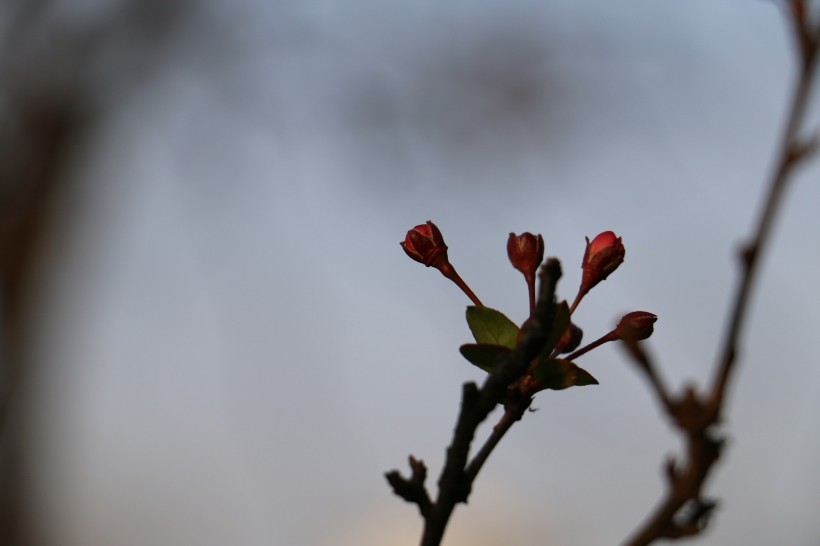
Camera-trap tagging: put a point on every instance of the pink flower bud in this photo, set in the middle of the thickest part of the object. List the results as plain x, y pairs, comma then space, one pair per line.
526, 252
636, 326
424, 243
603, 255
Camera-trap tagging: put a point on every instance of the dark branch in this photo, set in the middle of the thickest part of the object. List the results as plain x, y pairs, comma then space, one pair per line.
457, 476
455, 483
411, 489
513, 413
647, 366
683, 511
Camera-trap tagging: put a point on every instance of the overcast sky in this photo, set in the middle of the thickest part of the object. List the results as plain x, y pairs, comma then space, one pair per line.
235, 348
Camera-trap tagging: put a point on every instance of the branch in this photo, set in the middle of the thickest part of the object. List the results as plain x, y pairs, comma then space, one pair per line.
792, 151
683, 511
412, 489
648, 367
455, 482
513, 413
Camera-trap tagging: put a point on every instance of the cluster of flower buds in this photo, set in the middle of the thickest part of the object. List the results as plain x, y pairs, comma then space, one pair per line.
602, 256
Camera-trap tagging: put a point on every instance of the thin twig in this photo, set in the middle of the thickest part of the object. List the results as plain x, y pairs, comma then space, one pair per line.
647, 365
513, 413
412, 489
792, 152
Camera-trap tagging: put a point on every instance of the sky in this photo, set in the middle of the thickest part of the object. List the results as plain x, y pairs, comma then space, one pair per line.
233, 348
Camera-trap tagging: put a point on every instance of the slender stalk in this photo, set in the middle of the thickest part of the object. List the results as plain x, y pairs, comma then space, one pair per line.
791, 152
512, 414
531, 290
576, 301
450, 272
606, 338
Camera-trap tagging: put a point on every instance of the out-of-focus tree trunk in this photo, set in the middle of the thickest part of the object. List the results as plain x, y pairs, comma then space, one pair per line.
34, 147
27, 195
46, 111
41, 114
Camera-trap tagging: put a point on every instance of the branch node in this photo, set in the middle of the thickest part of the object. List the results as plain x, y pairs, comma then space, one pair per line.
411, 489
671, 469
692, 518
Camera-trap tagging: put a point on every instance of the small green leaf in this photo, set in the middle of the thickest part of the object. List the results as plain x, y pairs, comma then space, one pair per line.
483, 355
491, 327
558, 374
559, 326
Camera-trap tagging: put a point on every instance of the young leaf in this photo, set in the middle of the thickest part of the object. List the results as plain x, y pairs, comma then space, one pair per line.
558, 327
558, 374
491, 327
483, 355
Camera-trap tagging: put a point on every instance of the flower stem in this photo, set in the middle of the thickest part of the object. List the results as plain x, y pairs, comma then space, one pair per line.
575, 303
611, 336
531, 289
450, 272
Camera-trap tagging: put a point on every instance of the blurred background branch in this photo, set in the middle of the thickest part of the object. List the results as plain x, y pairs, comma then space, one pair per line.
49, 99
41, 112
684, 512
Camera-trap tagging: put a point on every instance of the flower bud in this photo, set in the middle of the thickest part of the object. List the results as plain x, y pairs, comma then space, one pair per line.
603, 255
425, 244
526, 252
569, 340
636, 326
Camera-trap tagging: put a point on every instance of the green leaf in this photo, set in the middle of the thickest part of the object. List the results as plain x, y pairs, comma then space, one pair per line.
559, 326
483, 355
491, 327
558, 374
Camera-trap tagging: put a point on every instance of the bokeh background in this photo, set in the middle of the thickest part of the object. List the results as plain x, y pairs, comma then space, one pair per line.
224, 343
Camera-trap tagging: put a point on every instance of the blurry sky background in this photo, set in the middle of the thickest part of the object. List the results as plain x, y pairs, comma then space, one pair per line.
232, 348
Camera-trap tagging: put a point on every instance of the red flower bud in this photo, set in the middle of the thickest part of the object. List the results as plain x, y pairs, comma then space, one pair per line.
424, 243
602, 256
636, 326
526, 252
